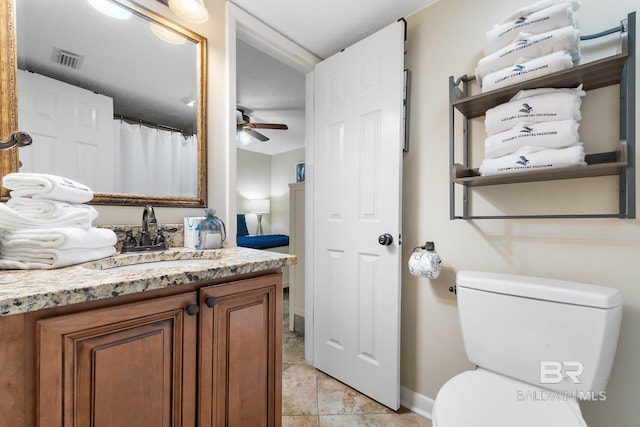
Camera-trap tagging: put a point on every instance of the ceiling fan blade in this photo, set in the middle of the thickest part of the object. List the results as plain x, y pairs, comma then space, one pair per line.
268, 126
256, 135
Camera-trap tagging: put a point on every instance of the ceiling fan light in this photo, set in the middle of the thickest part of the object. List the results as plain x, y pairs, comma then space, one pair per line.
190, 10
243, 138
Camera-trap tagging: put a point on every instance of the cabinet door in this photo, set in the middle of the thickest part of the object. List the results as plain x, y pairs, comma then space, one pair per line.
241, 353
130, 365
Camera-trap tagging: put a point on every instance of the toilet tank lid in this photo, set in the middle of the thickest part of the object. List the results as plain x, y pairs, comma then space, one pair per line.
541, 288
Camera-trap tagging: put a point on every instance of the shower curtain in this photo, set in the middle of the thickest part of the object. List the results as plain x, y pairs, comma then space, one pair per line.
154, 161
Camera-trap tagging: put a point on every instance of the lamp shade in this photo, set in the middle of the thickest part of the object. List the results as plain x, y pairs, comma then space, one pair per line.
258, 206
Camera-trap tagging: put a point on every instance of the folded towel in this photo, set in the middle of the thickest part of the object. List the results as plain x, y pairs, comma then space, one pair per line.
536, 160
526, 48
541, 5
44, 208
546, 19
560, 134
13, 220
50, 258
538, 67
57, 238
527, 93
554, 106
47, 187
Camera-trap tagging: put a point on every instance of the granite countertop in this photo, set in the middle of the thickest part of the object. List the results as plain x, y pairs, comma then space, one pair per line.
22, 291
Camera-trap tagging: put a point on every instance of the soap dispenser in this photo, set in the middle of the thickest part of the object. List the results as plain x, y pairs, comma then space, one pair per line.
212, 231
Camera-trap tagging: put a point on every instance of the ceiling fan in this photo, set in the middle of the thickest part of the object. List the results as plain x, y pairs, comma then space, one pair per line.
243, 124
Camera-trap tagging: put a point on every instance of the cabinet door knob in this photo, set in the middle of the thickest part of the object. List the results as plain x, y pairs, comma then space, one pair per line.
192, 309
210, 301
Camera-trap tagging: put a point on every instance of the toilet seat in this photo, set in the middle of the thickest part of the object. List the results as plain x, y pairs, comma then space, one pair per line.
483, 398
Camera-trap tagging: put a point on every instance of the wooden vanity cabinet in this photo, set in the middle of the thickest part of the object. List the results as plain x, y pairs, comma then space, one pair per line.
241, 354
208, 357
129, 365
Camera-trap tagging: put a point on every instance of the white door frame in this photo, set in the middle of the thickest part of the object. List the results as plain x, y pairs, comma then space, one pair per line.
246, 27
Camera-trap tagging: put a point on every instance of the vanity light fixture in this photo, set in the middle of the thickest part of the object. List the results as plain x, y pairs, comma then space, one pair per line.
110, 9
167, 35
190, 10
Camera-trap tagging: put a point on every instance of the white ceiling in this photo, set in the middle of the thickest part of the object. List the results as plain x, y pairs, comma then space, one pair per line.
273, 92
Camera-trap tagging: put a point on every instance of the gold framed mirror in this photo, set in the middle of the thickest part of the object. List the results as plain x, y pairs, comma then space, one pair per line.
162, 94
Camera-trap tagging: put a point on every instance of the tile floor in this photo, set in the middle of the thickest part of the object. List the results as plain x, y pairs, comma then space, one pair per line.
311, 398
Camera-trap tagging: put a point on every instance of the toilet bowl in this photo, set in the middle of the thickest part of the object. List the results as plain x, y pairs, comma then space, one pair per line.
483, 398
539, 345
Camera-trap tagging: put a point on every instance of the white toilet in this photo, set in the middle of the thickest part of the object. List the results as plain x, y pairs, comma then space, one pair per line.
539, 346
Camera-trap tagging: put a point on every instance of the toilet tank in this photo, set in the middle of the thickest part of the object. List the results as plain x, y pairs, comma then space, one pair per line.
554, 334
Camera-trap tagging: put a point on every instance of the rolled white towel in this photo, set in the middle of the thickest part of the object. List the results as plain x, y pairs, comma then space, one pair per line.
554, 106
526, 48
556, 14
559, 134
58, 238
530, 160
13, 220
518, 73
46, 258
46, 186
45, 208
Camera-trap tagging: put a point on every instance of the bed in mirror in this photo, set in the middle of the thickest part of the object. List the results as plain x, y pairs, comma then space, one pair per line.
113, 96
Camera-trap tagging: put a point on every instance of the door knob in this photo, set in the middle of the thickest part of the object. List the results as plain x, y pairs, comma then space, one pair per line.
385, 239
21, 139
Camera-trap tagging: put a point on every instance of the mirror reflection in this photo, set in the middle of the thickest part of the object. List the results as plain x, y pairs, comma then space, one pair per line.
112, 97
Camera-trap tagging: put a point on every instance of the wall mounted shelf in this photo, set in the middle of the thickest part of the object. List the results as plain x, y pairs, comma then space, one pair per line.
613, 70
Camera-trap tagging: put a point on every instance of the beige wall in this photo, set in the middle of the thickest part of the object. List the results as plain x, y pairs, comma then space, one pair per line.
283, 172
254, 182
263, 176
447, 39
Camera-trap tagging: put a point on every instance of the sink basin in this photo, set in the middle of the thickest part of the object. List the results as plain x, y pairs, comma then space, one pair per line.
156, 264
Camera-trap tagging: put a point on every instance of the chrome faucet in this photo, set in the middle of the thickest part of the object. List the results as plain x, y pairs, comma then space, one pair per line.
148, 220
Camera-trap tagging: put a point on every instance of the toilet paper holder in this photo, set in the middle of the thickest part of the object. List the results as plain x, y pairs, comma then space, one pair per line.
428, 246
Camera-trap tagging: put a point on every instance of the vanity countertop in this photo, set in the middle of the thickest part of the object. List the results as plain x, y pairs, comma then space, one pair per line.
23, 291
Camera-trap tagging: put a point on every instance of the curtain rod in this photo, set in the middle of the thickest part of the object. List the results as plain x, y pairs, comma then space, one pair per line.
156, 125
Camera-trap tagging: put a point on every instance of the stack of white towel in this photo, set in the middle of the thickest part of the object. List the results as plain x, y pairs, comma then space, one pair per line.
534, 41
46, 224
537, 129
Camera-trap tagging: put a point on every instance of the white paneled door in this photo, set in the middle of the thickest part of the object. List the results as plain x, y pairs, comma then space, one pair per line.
358, 138
72, 130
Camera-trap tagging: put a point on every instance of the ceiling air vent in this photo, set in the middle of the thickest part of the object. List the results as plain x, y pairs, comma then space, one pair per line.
66, 58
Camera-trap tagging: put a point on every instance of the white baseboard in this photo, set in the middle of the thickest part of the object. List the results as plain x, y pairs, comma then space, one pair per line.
421, 405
